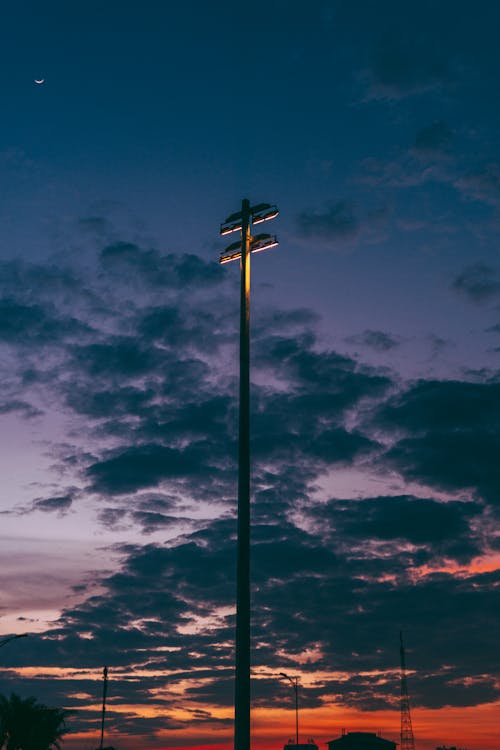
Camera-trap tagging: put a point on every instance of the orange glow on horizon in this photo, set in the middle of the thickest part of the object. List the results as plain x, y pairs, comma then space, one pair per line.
474, 728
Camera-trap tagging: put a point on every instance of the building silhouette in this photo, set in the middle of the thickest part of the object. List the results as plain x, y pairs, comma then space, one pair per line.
309, 745
361, 741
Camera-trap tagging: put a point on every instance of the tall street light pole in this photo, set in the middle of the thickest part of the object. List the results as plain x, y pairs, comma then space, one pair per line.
242, 221
295, 684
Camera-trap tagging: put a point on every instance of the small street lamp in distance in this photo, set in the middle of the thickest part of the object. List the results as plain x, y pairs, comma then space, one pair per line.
242, 222
295, 684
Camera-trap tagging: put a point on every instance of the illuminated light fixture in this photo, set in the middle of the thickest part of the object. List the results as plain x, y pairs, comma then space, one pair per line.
266, 213
257, 244
227, 258
232, 252
232, 224
258, 213
262, 242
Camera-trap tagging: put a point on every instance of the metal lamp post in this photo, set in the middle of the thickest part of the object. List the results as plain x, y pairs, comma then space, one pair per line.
242, 222
295, 684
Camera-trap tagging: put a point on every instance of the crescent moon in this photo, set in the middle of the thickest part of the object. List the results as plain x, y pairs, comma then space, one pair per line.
39, 80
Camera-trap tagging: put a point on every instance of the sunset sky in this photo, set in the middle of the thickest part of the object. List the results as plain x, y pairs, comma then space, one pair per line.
373, 125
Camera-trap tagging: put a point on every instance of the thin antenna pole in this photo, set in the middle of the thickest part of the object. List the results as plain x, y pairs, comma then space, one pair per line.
296, 688
104, 691
407, 739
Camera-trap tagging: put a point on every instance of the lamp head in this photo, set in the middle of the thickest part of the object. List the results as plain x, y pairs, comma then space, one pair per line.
264, 212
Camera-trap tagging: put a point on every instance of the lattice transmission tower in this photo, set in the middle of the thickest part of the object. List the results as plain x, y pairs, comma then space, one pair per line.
407, 739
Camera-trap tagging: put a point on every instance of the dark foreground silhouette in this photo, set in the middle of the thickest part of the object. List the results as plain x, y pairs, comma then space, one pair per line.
26, 724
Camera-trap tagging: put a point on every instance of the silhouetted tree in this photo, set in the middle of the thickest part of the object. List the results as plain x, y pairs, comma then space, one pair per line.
26, 724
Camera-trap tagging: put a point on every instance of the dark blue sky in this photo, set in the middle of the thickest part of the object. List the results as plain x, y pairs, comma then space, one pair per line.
374, 127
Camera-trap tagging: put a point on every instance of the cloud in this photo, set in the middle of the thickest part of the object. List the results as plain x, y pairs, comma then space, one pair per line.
405, 67
479, 283
481, 185
431, 166
405, 171
442, 406
377, 340
143, 466
171, 326
339, 225
157, 270
346, 595
283, 320
119, 356
308, 369
449, 436
57, 504
20, 407
23, 323
95, 224
46, 284
337, 222
151, 522
444, 529
429, 159
434, 140
149, 388
457, 462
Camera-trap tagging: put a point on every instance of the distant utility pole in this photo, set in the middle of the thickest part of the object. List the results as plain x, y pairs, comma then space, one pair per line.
242, 222
295, 684
407, 739
104, 691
